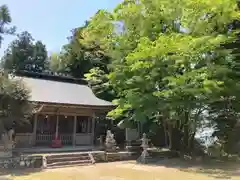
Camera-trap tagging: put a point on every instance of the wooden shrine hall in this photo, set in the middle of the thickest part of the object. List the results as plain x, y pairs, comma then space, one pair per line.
65, 114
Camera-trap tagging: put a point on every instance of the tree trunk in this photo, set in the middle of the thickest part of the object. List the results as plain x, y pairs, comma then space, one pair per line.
186, 132
170, 138
165, 134
176, 139
2, 128
191, 142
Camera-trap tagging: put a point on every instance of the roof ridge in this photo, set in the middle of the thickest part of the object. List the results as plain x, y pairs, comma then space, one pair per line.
51, 77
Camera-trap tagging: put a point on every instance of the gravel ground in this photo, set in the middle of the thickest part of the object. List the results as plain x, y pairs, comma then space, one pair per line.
169, 170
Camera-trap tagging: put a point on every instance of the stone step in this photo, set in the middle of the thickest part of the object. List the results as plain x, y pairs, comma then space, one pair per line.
163, 154
69, 163
49, 157
133, 148
69, 158
67, 155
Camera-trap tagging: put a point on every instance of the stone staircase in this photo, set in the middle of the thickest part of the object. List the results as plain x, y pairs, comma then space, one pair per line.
134, 146
163, 154
70, 159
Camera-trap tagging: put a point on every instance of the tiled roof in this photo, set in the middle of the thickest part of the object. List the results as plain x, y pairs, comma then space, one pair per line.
50, 91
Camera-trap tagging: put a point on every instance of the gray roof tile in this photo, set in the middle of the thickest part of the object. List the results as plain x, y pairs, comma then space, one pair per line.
61, 92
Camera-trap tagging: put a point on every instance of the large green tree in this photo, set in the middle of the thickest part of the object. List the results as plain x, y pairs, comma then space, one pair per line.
225, 111
39, 57
169, 64
78, 58
74, 55
14, 103
25, 54
87, 61
14, 97
57, 63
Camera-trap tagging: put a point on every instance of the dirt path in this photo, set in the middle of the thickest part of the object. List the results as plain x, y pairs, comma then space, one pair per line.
128, 171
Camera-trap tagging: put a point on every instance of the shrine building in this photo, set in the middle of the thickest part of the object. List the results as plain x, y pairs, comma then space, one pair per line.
65, 115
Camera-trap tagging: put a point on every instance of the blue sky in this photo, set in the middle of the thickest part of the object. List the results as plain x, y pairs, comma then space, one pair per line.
51, 20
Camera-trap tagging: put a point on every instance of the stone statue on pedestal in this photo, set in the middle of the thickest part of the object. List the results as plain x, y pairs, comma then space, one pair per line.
145, 147
7, 146
110, 142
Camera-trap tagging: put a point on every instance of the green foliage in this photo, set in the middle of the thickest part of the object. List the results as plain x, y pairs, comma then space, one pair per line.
15, 107
5, 20
77, 58
24, 54
168, 59
74, 56
225, 112
57, 63
39, 57
99, 82
87, 61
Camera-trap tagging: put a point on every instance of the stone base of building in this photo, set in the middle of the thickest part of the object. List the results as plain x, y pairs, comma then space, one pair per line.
42, 161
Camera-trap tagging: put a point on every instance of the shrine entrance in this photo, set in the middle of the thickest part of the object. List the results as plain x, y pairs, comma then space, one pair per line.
50, 126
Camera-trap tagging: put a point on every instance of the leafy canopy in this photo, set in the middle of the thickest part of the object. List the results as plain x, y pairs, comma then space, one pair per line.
15, 107
25, 54
5, 20
168, 57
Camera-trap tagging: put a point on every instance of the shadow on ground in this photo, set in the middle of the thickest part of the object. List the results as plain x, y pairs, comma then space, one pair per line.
5, 173
213, 168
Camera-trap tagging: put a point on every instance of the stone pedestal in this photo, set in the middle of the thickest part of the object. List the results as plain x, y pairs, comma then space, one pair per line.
145, 155
6, 152
110, 142
6, 144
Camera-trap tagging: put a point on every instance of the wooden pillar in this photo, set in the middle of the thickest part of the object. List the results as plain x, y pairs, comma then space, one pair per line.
74, 130
93, 128
35, 121
126, 134
56, 133
89, 127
